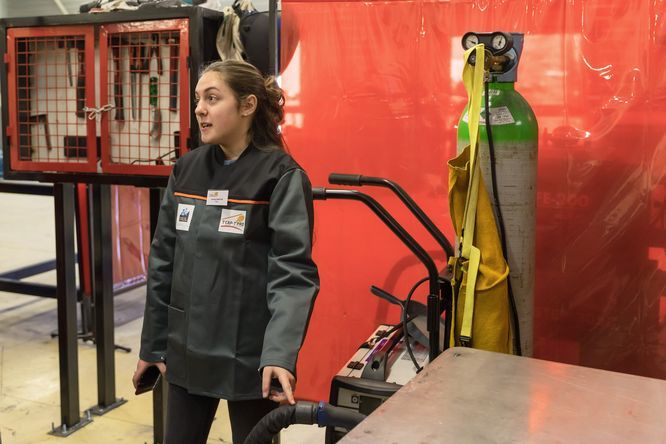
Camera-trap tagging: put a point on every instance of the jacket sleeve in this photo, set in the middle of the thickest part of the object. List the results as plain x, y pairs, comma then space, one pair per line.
158, 289
293, 280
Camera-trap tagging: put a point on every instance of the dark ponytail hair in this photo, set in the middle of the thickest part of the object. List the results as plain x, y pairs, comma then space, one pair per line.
244, 79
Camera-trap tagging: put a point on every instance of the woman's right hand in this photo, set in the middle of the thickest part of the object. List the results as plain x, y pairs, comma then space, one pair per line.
141, 367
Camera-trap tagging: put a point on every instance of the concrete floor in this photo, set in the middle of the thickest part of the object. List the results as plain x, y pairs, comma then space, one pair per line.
29, 376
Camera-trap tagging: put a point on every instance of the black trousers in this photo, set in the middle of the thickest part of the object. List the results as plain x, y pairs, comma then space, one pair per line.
189, 417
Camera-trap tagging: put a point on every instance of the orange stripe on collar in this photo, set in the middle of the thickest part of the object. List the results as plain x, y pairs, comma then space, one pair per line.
239, 201
191, 196
251, 202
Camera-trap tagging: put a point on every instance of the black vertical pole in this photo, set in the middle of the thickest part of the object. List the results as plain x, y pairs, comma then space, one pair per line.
86, 308
446, 293
159, 393
273, 50
66, 295
103, 299
159, 411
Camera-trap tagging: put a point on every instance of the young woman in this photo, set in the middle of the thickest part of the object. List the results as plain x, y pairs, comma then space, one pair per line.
231, 280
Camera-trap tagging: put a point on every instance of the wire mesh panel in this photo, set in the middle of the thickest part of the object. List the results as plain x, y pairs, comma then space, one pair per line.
51, 77
145, 79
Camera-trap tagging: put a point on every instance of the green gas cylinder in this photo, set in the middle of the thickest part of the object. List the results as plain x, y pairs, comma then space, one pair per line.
514, 133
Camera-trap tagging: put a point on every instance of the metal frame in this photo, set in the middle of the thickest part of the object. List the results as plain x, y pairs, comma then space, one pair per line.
10, 281
13, 76
33, 289
38, 189
66, 294
183, 56
200, 51
103, 300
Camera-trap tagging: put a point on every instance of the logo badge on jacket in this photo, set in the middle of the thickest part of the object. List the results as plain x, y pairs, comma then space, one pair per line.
184, 217
232, 221
217, 197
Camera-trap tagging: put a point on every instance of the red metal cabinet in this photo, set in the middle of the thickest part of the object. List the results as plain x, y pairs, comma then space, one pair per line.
94, 95
64, 87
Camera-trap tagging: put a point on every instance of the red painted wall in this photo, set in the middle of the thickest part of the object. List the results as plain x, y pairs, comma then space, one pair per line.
374, 88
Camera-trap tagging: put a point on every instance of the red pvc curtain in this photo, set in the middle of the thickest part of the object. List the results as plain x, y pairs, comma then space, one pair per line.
375, 88
130, 228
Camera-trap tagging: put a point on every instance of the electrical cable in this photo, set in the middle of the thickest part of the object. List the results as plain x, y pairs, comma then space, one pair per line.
500, 220
405, 311
394, 328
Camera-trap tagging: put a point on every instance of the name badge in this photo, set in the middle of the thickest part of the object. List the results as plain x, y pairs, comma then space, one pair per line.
184, 217
217, 197
232, 221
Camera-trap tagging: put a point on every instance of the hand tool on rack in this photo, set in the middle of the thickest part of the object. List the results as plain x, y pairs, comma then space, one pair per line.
80, 79
70, 74
144, 64
135, 67
67, 44
173, 73
117, 79
156, 128
43, 120
155, 51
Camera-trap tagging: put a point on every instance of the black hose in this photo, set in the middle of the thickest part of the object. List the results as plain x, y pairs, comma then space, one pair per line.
271, 424
331, 416
303, 412
500, 220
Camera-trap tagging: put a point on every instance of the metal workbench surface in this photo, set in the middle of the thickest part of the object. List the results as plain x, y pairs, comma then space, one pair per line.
474, 396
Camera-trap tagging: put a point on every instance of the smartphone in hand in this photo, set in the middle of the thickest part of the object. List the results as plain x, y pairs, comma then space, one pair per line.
148, 380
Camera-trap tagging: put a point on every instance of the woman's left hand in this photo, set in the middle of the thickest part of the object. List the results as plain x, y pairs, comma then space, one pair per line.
286, 380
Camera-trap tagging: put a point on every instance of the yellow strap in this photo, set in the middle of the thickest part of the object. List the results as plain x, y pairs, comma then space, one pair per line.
473, 80
468, 311
454, 263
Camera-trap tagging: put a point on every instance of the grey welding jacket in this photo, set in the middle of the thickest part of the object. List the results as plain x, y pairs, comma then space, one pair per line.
231, 280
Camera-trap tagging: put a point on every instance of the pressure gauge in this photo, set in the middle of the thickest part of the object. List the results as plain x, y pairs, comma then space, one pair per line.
500, 42
470, 40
